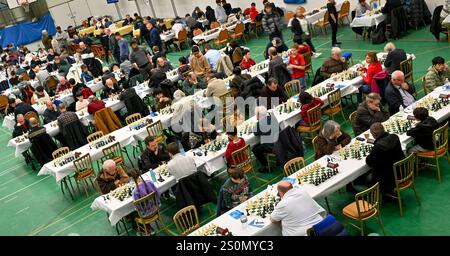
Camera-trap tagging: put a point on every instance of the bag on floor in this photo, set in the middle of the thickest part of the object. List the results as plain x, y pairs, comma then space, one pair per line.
378, 35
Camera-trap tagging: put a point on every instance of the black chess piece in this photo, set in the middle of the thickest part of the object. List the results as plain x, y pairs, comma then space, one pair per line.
160, 179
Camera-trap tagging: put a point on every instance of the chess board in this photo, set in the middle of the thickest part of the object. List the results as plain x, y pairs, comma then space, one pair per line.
136, 126
319, 91
316, 174
357, 150
210, 230
167, 110
66, 159
103, 141
349, 74
433, 104
259, 67
288, 107
397, 125
262, 206
162, 170
121, 193
214, 146
247, 127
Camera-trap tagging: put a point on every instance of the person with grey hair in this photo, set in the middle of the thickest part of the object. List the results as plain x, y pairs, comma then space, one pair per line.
394, 57
111, 177
46, 40
265, 128
399, 93
333, 65
330, 139
370, 111
66, 117
386, 151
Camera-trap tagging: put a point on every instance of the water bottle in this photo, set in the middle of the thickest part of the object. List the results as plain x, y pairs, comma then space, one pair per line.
244, 220
401, 110
152, 175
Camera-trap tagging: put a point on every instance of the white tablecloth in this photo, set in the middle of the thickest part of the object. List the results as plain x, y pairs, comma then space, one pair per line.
9, 122
167, 37
446, 21
368, 21
117, 209
319, 15
349, 170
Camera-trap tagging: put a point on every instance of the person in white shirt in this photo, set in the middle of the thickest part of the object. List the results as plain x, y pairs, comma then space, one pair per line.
180, 166
219, 12
296, 211
300, 28
212, 56
177, 26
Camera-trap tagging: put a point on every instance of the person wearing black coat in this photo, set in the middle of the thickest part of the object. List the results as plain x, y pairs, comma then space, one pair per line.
42, 144
153, 156
132, 101
397, 91
23, 108
394, 58
423, 131
386, 151
266, 128
272, 94
210, 15
22, 126
389, 6
369, 112
288, 146
194, 189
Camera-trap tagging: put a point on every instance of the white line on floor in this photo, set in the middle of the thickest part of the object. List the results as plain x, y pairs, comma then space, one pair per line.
9, 200
20, 190
24, 209
10, 170
329, 41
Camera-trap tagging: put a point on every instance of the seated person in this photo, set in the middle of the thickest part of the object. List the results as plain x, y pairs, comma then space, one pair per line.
179, 166
386, 151
216, 87
203, 133
369, 112
296, 211
50, 113
361, 8
81, 103
330, 139
40, 95
247, 61
437, 74
272, 95
11, 106
193, 83
86, 75
234, 143
95, 105
368, 74
198, 63
22, 126
212, 56
111, 177
333, 65
423, 131
308, 102
162, 65
162, 100
63, 85
236, 190
110, 89
238, 80
394, 57
398, 92
144, 187
278, 44
233, 119
107, 74
265, 129
182, 68
154, 154
22, 108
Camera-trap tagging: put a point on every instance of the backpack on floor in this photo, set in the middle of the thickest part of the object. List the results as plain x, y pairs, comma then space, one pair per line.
378, 35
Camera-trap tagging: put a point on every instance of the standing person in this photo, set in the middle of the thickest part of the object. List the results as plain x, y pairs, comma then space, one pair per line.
272, 22
46, 40
123, 48
297, 66
154, 37
394, 57
299, 26
141, 59
220, 13
333, 19
210, 16
61, 36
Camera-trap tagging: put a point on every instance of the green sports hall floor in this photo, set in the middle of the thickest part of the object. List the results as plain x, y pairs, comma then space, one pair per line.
34, 205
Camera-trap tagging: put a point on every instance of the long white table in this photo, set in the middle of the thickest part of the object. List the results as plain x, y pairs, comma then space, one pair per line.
368, 20
313, 18
214, 33
349, 170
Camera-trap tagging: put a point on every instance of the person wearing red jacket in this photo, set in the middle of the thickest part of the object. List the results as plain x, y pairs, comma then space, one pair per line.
253, 11
367, 74
235, 143
95, 105
308, 102
297, 67
247, 62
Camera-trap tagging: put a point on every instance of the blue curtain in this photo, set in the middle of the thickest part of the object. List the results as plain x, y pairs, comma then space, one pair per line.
27, 32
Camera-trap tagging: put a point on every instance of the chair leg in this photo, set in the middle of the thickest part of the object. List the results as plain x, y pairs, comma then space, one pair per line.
381, 224
400, 203
438, 169
362, 227
416, 194
328, 205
